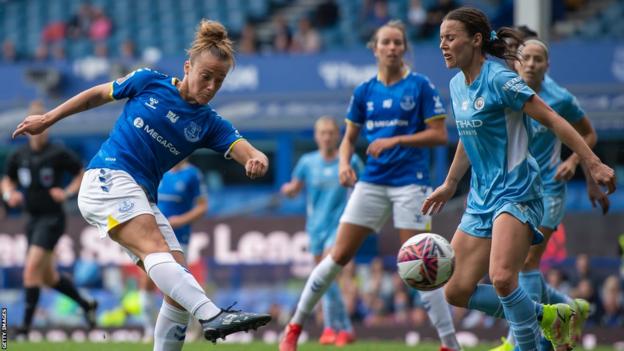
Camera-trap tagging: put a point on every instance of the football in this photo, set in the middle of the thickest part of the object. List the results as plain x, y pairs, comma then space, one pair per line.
426, 261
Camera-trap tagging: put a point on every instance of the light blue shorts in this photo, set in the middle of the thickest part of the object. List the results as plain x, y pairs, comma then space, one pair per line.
321, 241
480, 224
554, 209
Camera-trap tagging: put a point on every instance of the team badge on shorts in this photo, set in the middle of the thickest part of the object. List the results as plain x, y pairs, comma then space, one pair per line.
125, 206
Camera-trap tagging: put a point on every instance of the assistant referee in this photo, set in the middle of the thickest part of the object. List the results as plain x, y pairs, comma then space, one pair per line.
33, 179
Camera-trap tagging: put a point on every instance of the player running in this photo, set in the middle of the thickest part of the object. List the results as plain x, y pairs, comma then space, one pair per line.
403, 116
504, 207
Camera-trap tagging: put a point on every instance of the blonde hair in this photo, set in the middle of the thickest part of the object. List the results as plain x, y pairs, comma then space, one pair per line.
538, 43
326, 119
396, 24
212, 36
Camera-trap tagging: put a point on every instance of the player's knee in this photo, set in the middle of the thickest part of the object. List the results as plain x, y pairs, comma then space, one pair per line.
504, 281
341, 258
32, 276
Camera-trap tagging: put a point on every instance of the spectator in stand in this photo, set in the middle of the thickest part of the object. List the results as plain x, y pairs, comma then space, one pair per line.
128, 50
556, 279
375, 15
79, 24
434, 17
326, 14
57, 52
400, 303
585, 290
583, 271
53, 32
611, 310
574, 5
248, 43
101, 26
282, 37
351, 292
376, 290
416, 17
504, 14
9, 53
52, 36
41, 53
101, 50
307, 39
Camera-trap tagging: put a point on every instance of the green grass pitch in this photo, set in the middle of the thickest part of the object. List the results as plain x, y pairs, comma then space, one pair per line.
257, 346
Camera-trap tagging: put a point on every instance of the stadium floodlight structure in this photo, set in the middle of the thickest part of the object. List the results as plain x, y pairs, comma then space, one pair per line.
534, 14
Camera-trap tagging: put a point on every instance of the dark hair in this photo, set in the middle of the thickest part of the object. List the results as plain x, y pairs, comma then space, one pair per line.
525, 32
498, 43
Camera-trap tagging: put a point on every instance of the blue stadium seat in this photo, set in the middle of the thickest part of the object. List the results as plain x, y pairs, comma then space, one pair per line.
257, 8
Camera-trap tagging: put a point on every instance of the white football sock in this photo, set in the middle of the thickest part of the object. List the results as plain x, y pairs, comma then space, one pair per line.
318, 282
170, 330
440, 316
176, 282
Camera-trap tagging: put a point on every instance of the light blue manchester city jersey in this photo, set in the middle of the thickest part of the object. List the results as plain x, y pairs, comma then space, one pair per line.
326, 198
401, 108
178, 193
495, 134
157, 129
545, 146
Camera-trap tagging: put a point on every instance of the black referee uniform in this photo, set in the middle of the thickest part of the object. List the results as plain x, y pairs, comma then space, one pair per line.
37, 172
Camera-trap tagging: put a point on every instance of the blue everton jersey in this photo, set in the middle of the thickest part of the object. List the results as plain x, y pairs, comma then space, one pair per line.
178, 193
401, 108
545, 146
157, 129
326, 198
495, 134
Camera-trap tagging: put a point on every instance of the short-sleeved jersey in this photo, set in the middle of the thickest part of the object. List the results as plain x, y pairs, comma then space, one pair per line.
545, 146
401, 108
495, 134
326, 198
178, 193
35, 172
157, 129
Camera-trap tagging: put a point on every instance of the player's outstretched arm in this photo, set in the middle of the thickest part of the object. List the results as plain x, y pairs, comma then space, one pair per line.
541, 112
255, 162
88, 99
434, 203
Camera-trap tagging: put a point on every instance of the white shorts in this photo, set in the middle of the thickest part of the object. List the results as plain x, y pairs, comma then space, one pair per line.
108, 198
370, 206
